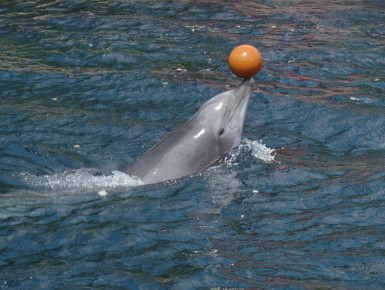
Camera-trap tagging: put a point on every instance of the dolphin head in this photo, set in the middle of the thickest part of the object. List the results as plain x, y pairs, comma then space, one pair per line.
222, 116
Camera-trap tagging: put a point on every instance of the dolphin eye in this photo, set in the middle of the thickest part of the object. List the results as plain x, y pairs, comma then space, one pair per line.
221, 131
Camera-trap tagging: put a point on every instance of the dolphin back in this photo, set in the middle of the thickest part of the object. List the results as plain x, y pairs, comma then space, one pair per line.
173, 157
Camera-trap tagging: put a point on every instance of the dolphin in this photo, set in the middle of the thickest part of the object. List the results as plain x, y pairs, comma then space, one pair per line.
210, 133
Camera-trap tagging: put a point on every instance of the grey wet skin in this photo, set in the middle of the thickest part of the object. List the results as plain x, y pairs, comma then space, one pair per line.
204, 139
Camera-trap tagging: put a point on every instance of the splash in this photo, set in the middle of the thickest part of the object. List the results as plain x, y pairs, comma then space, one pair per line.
260, 150
81, 180
226, 182
254, 148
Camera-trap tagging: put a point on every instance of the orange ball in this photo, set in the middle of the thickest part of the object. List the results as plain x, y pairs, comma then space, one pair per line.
245, 61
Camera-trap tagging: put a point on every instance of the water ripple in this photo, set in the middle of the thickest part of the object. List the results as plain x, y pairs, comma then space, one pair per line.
94, 84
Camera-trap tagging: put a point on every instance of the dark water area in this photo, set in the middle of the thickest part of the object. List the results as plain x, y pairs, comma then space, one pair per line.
88, 86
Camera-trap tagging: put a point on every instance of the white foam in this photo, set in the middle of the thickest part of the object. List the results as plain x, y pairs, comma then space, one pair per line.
260, 150
257, 149
81, 180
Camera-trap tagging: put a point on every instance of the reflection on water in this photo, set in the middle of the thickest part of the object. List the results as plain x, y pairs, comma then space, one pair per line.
95, 84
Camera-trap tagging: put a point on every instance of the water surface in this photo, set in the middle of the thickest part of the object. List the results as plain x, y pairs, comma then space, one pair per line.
88, 87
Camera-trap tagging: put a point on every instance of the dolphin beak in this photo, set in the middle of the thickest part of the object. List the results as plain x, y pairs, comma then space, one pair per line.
241, 98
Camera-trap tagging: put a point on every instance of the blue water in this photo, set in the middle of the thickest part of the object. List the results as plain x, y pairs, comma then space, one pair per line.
88, 86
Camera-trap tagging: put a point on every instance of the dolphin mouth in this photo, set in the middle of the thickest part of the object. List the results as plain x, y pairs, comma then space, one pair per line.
242, 95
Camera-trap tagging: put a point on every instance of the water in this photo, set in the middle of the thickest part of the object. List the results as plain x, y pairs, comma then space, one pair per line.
88, 86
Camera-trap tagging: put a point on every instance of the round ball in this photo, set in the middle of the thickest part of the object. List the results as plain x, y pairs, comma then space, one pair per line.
245, 61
